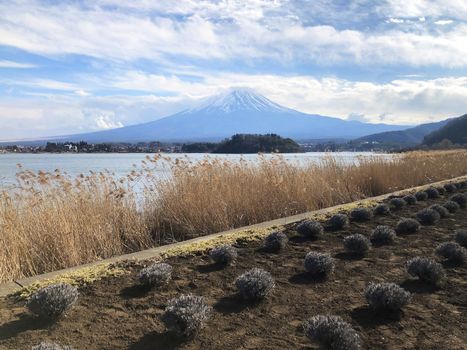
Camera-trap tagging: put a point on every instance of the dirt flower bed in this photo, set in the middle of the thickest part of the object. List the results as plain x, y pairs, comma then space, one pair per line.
118, 313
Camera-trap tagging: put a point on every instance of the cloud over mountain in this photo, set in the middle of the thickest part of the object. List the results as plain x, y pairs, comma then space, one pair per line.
143, 59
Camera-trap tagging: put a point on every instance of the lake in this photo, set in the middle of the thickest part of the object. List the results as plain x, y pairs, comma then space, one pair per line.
123, 163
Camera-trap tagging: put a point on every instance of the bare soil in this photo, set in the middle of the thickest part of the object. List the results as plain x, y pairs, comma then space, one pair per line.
116, 313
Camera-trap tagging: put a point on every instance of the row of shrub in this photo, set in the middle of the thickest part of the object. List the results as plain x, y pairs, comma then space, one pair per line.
188, 313
427, 216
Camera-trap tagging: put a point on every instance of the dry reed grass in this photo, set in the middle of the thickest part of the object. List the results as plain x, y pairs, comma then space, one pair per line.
51, 221
214, 195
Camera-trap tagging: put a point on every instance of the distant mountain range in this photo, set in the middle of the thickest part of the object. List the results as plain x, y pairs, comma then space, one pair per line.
455, 130
404, 138
237, 111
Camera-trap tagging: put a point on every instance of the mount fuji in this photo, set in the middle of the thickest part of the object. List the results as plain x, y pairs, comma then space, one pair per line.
236, 111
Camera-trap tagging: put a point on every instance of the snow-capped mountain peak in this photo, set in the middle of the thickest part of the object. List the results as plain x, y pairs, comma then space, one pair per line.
238, 99
236, 111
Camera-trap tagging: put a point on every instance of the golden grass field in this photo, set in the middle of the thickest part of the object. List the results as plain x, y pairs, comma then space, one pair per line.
52, 221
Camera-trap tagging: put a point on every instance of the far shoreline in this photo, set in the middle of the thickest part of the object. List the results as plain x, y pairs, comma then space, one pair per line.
206, 153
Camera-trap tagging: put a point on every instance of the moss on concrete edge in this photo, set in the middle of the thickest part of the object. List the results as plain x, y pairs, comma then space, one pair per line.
80, 277
231, 238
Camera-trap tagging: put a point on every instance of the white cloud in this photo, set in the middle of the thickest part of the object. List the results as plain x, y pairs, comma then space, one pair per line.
395, 20
443, 22
226, 30
48, 84
406, 101
402, 101
416, 8
358, 117
139, 80
159, 49
67, 29
52, 114
103, 119
237, 9
82, 93
12, 64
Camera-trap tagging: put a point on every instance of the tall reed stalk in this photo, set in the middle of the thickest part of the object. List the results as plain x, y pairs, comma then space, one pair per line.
51, 221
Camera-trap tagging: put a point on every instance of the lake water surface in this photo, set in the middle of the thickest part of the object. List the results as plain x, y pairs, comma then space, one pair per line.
123, 163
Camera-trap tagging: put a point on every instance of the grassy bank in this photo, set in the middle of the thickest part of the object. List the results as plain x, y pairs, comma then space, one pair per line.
52, 221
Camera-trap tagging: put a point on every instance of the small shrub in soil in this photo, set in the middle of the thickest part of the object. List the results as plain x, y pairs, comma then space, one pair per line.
451, 206
426, 270
397, 203
275, 241
338, 221
186, 314
382, 209
383, 235
442, 211
450, 188
51, 346
53, 301
461, 237
310, 229
453, 252
224, 254
255, 284
386, 296
460, 199
361, 214
428, 216
441, 190
421, 196
407, 226
319, 264
356, 244
462, 184
332, 332
432, 192
155, 275
410, 199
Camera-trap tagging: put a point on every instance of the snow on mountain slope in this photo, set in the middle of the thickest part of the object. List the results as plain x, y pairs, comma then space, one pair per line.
241, 99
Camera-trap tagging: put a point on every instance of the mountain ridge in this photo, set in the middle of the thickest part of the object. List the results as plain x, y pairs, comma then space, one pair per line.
236, 111
455, 131
407, 137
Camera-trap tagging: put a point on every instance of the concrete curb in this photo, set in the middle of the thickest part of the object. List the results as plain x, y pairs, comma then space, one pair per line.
16, 286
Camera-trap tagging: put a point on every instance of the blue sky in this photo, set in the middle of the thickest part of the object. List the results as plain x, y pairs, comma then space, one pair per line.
76, 66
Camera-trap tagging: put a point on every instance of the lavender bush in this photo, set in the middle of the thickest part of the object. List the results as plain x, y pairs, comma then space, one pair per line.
332, 332
186, 315
53, 301
386, 296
